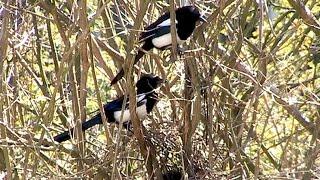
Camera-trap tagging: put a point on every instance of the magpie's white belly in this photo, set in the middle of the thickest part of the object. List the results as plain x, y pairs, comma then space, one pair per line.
165, 40
141, 112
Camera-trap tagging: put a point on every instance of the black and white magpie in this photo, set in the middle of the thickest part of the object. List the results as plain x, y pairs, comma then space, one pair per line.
158, 33
172, 175
146, 100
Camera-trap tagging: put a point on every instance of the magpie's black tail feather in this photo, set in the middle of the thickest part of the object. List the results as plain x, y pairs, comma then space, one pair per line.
121, 72
146, 47
117, 77
63, 136
86, 125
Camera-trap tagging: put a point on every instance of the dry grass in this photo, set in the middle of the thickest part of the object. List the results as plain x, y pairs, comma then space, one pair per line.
241, 102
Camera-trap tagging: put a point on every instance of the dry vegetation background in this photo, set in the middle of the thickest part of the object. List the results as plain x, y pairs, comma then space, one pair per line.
243, 101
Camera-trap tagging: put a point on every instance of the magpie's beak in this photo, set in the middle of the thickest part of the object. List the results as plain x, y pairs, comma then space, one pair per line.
202, 19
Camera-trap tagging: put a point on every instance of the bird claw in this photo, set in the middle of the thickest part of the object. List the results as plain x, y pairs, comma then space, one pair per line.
127, 125
180, 50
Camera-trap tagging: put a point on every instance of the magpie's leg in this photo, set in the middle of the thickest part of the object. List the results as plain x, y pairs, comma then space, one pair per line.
180, 50
128, 127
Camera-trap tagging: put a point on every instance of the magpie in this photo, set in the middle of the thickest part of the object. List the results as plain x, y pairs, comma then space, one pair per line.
157, 35
172, 175
146, 100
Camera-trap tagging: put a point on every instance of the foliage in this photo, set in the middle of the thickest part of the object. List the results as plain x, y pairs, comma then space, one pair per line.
242, 101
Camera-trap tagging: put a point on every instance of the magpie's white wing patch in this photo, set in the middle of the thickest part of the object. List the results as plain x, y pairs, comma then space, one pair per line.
151, 32
165, 39
166, 23
140, 97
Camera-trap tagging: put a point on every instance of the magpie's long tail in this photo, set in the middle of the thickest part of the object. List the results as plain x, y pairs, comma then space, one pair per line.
86, 125
146, 47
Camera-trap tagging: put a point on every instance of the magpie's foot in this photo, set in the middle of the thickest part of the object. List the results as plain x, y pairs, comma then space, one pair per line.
128, 127
180, 50
130, 132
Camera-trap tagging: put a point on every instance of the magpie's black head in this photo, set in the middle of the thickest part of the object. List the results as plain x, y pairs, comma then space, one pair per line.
190, 13
148, 82
172, 175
